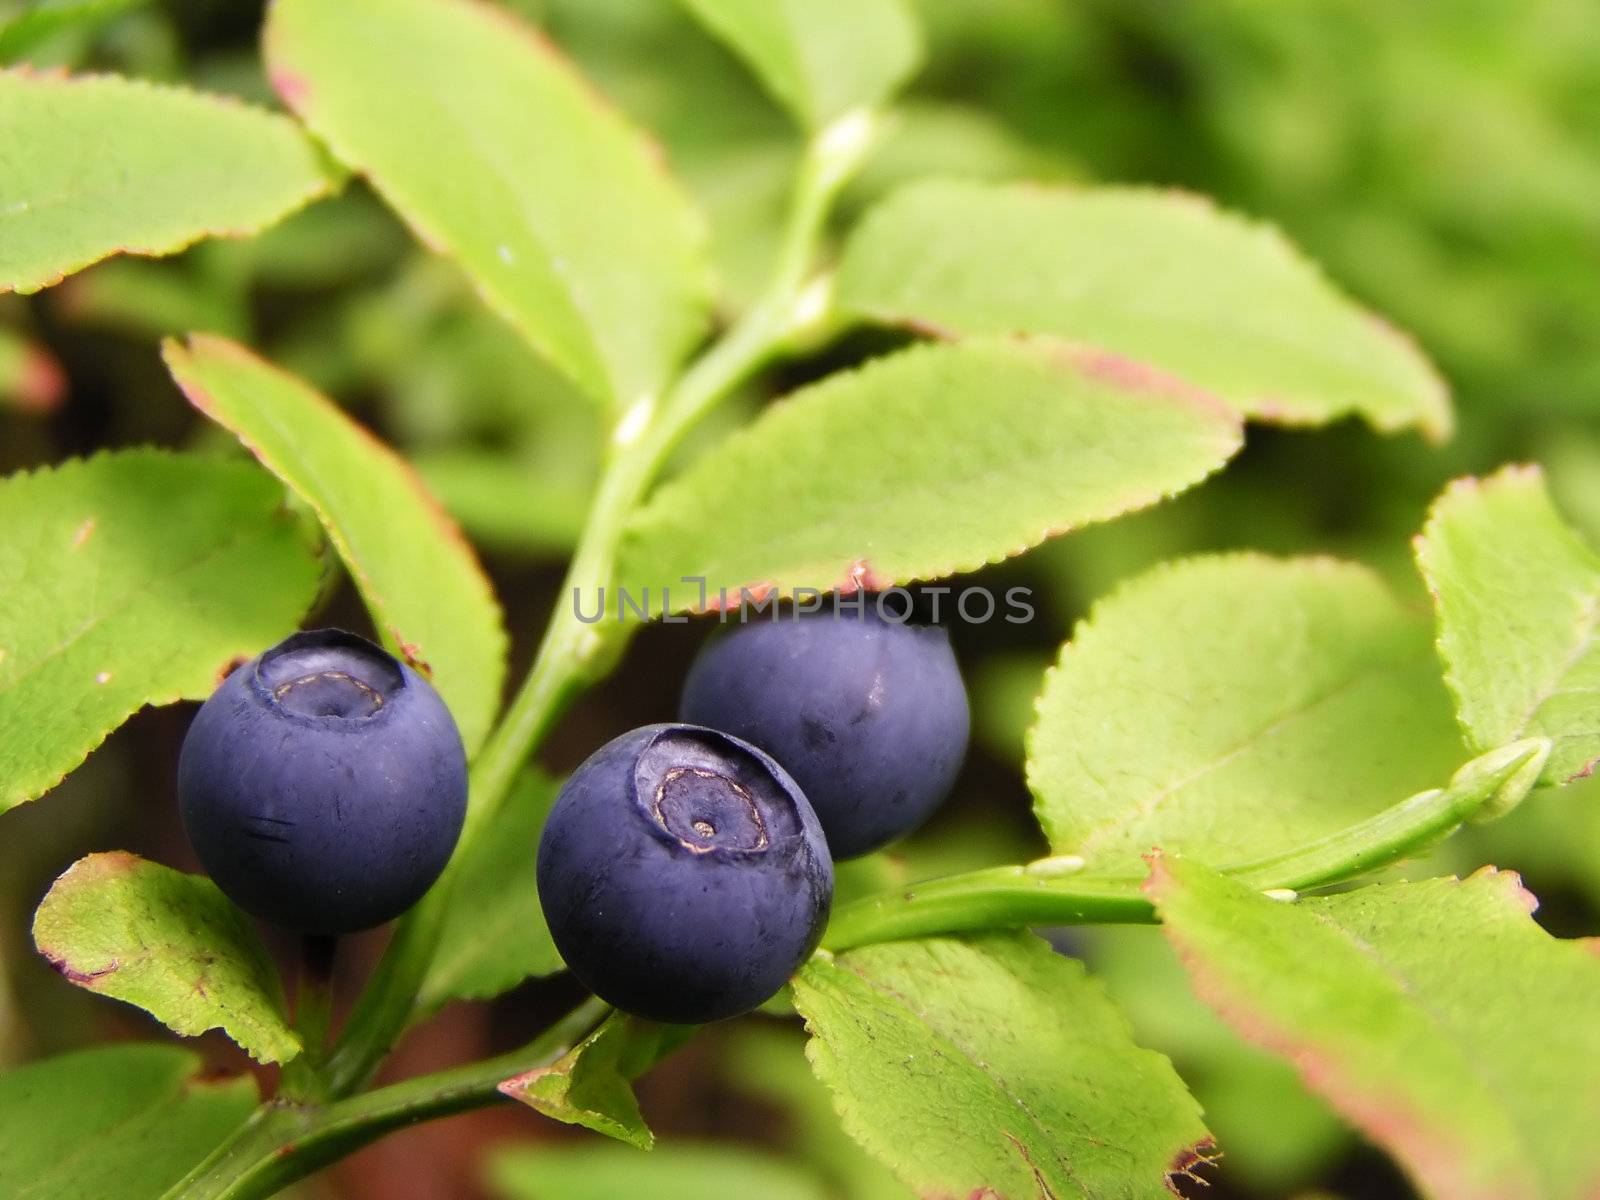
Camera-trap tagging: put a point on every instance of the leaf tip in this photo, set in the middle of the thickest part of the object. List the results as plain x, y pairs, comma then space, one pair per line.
1509, 885
519, 1087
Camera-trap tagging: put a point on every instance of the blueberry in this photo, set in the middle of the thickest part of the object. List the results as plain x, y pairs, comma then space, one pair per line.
869, 715
683, 875
323, 784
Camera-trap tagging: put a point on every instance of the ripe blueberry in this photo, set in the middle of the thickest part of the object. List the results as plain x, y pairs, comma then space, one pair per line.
868, 715
683, 875
323, 784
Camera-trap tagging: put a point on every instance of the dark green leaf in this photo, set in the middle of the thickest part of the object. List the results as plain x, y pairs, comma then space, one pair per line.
123, 1121
494, 935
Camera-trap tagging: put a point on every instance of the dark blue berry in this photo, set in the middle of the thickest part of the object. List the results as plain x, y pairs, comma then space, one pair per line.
869, 715
323, 784
683, 875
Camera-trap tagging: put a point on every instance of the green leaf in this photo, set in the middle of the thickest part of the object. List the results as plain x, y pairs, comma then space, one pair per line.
127, 1121
498, 154
819, 58
992, 1065
1436, 1016
1234, 706
170, 943
766, 1059
98, 165
678, 1171
926, 463
1278, 1138
1159, 277
590, 1085
494, 933
1517, 594
419, 578
129, 579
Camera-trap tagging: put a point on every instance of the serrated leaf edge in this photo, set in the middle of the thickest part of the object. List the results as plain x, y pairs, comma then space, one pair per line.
1137, 583
593, 376
1430, 1159
1110, 370
1184, 1159
161, 700
1436, 421
1509, 475
331, 181
126, 862
177, 357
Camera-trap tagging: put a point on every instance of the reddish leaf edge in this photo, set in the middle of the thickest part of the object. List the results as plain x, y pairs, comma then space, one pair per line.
1427, 1154
179, 357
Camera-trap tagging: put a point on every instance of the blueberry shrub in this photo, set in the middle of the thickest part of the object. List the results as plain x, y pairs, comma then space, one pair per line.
795, 548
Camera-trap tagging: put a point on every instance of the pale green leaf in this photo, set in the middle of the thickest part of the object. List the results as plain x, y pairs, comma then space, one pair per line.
127, 1121
1517, 594
819, 58
1235, 706
591, 1084
1436, 1016
992, 1065
1159, 277
677, 1171
494, 933
129, 579
419, 578
498, 154
97, 165
168, 942
929, 462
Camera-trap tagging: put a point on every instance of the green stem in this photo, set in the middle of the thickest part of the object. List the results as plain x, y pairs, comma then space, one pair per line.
283, 1142
313, 1016
1494, 781
572, 653
569, 646
996, 898
1054, 891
